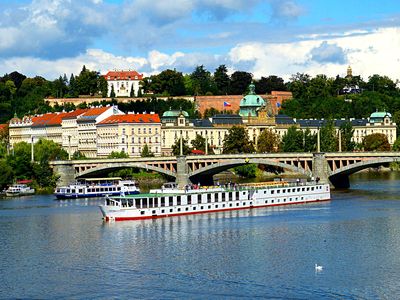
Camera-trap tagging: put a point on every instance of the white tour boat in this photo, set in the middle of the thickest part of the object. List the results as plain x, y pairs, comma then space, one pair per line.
19, 189
97, 187
171, 201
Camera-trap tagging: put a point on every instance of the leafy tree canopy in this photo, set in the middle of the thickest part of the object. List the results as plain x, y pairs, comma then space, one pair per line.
237, 141
376, 142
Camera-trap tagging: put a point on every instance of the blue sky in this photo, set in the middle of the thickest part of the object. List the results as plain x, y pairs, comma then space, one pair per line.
264, 37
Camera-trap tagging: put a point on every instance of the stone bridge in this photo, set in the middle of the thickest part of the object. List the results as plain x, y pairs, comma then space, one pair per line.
330, 167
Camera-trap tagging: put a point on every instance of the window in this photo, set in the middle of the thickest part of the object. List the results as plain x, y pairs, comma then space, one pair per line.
162, 201
123, 131
142, 212
208, 198
198, 198
178, 200
216, 196
150, 130
144, 130
171, 201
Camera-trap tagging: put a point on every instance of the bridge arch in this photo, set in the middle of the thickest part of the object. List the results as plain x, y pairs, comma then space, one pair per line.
231, 163
116, 166
340, 177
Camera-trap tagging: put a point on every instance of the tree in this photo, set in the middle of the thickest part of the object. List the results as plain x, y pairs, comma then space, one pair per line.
328, 137
268, 141
346, 132
20, 160
115, 154
268, 84
78, 155
176, 148
292, 140
201, 81
240, 82
199, 143
102, 86
46, 150
376, 142
310, 141
132, 92
146, 152
237, 141
112, 93
6, 174
396, 145
222, 80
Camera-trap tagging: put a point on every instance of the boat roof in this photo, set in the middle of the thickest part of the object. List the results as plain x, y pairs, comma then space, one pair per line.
99, 179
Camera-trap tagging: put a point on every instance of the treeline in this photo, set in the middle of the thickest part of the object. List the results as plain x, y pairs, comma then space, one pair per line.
313, 97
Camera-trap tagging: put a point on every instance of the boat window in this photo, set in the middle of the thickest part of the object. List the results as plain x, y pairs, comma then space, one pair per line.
179, 209
201, 207
142, 212
209, 206
208, 198
266, 201
194, 208
198, 198
278, 191
189, 199
230, 204
171, 210
244, 203
162, 201
272, 201
284, 200
230, 196
137, 202
312, 188
68, 190
118, 188
265, 192
298, 189
150, 202
216, 196
223, 205
237, 195
303, 189
237, 204
80, 191
187, 208
144, 202
178, 200
216, 206
272, 192
283, 191
153, 212
223, 196
163, 211
155, 202
171, 201
72, 191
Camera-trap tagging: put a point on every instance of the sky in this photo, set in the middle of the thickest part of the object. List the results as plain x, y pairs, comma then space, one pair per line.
50, 38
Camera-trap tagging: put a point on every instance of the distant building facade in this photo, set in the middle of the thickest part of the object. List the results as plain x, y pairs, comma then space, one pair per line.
123, 82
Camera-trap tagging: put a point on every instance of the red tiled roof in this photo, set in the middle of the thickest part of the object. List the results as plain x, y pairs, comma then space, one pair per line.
95, 111
123, 75
3, 126
132, 118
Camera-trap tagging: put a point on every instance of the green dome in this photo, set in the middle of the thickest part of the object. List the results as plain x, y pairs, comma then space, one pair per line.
174, 113
251, 102
379, 114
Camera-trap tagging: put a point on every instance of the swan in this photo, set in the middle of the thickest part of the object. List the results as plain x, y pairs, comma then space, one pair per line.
318, 268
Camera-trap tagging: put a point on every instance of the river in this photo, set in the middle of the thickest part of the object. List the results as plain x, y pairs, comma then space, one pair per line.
62, 249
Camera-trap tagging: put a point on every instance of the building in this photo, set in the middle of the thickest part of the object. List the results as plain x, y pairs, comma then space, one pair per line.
129, 133
123, 83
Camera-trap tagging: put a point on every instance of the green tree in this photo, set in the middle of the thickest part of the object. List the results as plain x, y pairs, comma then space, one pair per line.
237, 141
268, 84
376, 142
78, 155
132, 92
116, 154
176, 148
102, 86
310, 141
268, 141
247, 171
346, 132
6, 174
199, 143
292, 140
222, 80
47, 150
396, 145
146, 152
112, 93
328, 136
240, 81
201, 81
20, 160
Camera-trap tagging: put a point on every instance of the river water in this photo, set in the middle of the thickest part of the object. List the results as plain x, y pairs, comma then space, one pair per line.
62, 249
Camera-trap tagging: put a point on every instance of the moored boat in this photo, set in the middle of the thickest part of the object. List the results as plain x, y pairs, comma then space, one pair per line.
97, 187
19, 189
171, 201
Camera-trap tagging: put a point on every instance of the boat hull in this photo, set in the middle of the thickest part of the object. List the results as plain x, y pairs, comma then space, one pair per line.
158, 205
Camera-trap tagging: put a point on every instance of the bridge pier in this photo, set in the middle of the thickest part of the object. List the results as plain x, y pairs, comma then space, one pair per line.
320, 167
66, 173
182, 172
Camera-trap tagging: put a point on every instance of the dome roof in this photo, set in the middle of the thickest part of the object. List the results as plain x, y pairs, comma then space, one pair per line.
174, 113
251, 99
379, 114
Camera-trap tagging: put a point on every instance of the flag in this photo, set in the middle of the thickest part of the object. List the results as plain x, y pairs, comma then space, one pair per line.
227, 104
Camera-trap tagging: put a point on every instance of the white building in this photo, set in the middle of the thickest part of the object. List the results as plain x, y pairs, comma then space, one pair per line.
123, 82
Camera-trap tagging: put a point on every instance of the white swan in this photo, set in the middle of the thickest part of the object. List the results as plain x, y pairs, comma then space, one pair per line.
318, 268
